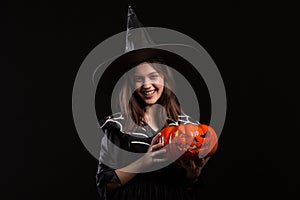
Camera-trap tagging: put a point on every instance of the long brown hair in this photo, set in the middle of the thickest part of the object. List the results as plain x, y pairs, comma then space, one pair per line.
132, 107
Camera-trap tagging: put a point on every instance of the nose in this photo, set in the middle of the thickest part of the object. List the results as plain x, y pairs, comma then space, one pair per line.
147, 83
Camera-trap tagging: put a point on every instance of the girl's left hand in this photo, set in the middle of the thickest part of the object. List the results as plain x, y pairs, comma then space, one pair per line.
193, 168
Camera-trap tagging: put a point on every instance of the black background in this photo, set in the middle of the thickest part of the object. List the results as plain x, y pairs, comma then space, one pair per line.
43, 44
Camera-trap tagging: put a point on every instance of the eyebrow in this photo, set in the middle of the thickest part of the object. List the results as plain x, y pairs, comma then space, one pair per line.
152, 73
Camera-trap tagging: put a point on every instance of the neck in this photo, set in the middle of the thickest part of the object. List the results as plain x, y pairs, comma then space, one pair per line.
152, 113
148, 114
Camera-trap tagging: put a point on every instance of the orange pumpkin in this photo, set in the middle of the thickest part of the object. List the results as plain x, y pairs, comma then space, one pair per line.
191, 141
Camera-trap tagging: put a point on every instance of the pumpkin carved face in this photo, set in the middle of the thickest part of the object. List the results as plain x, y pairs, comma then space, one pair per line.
191, 141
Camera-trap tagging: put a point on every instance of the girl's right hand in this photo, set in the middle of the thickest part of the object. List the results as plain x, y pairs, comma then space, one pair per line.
156, 154
152, 160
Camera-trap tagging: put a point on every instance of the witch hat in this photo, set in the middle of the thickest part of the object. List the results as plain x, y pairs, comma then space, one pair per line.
139, 47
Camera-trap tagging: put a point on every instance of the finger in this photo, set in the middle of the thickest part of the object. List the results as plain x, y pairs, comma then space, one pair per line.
159, 160
156, 138
192, 164
200, 163
157, 146
183, 164
206, 160
158, 153
180, 148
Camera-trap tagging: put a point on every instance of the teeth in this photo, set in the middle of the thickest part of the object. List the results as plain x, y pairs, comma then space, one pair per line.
149, 92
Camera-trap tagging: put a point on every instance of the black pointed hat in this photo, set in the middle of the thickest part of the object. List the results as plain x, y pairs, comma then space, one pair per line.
139, 48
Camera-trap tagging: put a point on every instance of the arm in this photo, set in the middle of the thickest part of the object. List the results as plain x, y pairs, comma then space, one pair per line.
109, 179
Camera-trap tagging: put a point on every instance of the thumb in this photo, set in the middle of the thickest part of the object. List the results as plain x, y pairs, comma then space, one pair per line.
156, 138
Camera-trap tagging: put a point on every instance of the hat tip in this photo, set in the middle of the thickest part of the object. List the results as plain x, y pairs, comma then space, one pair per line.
130, 11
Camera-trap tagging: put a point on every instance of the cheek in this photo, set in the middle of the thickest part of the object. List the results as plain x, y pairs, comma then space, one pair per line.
137, 86
160, 83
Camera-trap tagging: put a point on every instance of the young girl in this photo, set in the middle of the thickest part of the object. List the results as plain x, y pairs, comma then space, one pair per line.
146, 105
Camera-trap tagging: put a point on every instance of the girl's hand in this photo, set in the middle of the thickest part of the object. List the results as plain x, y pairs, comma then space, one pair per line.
193, 168
156, 154
152, 160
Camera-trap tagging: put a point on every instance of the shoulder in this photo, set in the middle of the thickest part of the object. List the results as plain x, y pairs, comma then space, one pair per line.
115, 120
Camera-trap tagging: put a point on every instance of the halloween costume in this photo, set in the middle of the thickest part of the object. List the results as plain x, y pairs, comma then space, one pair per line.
166, 183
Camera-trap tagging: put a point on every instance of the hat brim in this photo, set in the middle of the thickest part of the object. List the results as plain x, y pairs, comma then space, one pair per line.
128, 60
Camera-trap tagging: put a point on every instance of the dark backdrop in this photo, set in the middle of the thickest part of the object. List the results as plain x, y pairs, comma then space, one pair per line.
43, 44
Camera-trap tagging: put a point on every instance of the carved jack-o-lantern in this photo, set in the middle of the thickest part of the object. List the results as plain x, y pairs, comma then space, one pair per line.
190, 141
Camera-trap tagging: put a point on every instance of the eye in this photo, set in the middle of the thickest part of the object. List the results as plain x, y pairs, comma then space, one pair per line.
154, 76
138, 79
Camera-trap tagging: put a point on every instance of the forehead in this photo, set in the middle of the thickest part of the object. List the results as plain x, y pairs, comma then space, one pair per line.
144, 69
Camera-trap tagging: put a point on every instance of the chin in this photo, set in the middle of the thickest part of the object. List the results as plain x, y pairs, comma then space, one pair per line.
150, 102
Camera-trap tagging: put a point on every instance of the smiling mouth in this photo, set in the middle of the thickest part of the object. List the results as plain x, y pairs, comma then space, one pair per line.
148, 94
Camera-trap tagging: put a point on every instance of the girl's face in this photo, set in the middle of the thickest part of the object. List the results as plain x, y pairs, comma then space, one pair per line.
149, 84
